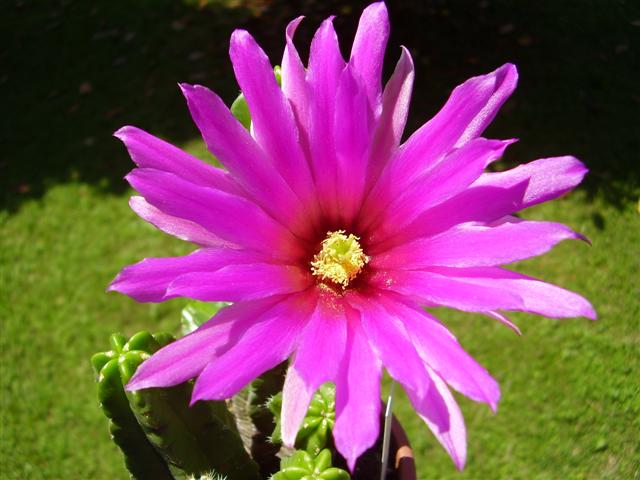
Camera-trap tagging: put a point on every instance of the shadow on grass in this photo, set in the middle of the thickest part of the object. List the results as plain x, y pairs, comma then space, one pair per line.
77, 71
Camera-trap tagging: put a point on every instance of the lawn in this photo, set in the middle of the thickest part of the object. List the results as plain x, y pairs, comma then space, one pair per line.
76, 71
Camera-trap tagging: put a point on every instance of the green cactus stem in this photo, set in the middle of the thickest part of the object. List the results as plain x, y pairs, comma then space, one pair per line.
187, 440
304, 466
140, 457
313, 435
261, 390
196, 313
240, 108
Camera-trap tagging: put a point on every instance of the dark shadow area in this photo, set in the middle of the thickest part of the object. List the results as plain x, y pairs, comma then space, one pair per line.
74, 72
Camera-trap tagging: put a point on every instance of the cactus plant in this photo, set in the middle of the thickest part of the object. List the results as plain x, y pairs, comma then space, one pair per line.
304, 466
313, 435
186, 440
263, 450
140, 457
196, 313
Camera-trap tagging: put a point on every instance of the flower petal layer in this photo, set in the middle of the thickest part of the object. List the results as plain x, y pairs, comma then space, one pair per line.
273, 122
237, 283
535, 295
439, 288
447, 179
390, 342
187, 357
323, 338
367, 52
216, 211
495, 195
148, 280
476, 245
247, 358
485, 289
294, 84
438, 408
357, 420
352, 129
393, 118
232, 144
469, 110
439, 349
323, 75
178, 227
148, 151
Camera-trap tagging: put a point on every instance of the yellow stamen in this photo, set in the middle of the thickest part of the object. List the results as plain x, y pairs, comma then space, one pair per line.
340, 260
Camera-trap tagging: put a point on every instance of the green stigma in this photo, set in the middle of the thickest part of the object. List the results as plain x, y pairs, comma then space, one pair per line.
340, 260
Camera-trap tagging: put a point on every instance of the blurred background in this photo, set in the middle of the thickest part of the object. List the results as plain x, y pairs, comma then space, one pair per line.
72, 72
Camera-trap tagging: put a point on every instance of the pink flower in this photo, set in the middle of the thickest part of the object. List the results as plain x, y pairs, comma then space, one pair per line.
330, 236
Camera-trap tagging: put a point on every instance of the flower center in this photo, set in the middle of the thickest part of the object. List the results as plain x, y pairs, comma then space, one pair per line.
340, 259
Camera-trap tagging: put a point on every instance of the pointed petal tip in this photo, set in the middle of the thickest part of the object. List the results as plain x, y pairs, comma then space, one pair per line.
136, 201
289, 441
137, 382
123, 132
582, 237
327, 24
293, 26
509, 69
376, 8
405, 54
187, 88
460, 463
239, 38
351, 463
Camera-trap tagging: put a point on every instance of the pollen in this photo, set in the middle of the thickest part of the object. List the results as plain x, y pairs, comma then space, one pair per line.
340, 260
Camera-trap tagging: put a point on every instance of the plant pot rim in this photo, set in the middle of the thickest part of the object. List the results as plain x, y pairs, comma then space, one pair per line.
402, 456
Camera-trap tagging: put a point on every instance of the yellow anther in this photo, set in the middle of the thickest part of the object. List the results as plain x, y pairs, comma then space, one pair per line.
340, 259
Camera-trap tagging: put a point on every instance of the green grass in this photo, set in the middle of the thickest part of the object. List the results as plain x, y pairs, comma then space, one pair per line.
571, 395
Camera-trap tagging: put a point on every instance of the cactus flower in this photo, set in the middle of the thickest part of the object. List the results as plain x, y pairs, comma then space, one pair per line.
329, 235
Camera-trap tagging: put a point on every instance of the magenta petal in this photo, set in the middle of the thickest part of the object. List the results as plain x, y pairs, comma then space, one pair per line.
442, 352
545, 179
389, 340
367, 52
439, 288
216, 211
274, 126
187, 357
178, 227
357, 420
495, 195
294, 84
237, 283
475, 245
535, 296
393, 118
504, 320
323, 338
353, 128
148, 280
148, 151
323, 75
451, 176
438, 408
469, 110
248, 358
232, 144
